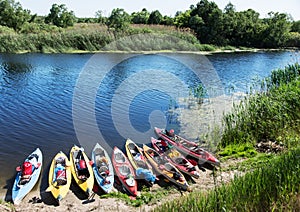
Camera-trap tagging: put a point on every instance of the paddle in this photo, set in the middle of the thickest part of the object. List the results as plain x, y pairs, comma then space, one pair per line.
90, 199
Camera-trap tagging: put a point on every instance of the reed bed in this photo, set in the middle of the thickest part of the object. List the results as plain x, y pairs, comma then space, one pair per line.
96, 37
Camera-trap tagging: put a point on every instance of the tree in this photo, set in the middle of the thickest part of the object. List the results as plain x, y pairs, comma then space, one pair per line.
195, 21
211, 31
155, 17
296, 26
100, 18
182, 19
167, 20
140, 17
229, 23
118, 20
60, 16
13, 15
277, 30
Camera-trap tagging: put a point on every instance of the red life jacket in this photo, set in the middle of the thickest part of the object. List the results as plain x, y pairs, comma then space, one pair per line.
60, 174
82, 164
26, 168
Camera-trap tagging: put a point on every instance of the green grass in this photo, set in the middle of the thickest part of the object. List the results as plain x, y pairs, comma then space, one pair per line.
274, 185
146, 197
266, 115
245, 150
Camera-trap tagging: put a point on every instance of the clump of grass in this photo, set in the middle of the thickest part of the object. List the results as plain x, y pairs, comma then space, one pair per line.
246, 150
206, 47
264, 189
146, 197
7, 206
230, 48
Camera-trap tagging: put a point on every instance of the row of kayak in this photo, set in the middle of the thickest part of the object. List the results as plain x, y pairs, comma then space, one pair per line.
167, 158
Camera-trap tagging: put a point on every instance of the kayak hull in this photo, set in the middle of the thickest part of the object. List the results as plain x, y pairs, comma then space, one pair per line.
124, 171
60, 191
188, 148
97, 153
87, 184
165, 168
20, 191
137, 159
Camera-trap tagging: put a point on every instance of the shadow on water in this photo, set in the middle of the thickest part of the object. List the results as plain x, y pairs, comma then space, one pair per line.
15, 73
15, 67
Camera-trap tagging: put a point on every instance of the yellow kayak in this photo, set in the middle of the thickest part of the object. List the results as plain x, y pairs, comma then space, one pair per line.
143, 170
81, 169
132, 151
60, 176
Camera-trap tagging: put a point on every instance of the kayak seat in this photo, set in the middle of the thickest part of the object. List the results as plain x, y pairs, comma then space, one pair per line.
99, 152
133, 152
83, 174
24, 179
124, 170
103, 170
119, 158
61, 181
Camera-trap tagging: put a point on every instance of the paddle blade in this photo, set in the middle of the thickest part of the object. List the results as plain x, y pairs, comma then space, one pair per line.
49, 189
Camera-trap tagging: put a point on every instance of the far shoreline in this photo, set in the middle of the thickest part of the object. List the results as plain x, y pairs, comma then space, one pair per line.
217, 51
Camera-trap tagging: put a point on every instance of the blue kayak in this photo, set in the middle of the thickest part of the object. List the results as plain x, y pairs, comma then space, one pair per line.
27, 175
102, 168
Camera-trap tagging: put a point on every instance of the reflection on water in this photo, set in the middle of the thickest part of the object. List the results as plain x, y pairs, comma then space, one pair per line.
36, 94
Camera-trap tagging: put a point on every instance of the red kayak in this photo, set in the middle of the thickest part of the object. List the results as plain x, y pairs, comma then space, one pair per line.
124, 171
188, 148
175, 157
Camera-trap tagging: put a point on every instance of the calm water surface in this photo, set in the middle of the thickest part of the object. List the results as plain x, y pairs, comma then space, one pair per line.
37, 95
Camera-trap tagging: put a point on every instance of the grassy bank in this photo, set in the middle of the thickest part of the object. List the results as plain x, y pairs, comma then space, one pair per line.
274, 186
271, 114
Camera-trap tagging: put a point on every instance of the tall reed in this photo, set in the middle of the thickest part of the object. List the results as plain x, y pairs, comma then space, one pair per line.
267, 114
94, 37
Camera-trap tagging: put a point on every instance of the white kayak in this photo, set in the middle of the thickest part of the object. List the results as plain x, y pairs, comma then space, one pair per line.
27, 175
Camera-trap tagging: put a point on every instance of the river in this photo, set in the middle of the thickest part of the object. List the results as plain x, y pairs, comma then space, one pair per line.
53, 101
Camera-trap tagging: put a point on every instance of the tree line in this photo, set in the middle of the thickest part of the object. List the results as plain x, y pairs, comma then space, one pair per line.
210, 24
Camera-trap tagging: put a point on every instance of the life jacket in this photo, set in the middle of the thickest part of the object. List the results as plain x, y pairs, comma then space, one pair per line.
26, 168
60, 174
82, 164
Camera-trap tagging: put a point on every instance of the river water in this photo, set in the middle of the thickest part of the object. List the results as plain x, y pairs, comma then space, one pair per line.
53, 101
